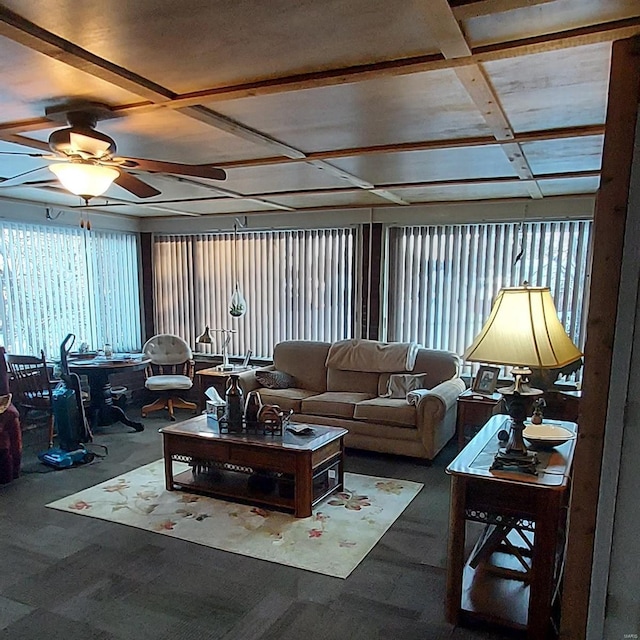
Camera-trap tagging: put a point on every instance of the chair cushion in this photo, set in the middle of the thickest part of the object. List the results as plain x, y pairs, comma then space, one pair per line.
337, 404
166, 383
167, 349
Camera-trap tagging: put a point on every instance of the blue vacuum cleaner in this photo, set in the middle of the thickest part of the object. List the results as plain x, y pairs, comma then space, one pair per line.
70, 419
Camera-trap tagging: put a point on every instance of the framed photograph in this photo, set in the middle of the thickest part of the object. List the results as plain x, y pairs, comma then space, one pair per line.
486, 380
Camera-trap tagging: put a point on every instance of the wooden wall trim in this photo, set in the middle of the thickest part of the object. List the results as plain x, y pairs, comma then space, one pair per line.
146, 268
608, 243
372, 238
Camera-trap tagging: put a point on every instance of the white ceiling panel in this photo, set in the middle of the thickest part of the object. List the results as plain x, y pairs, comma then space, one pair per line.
563, 187
564, 156
544, 17
554, 89
424, 106
446, 193
185, 46
353, 198
422, 166
294, 176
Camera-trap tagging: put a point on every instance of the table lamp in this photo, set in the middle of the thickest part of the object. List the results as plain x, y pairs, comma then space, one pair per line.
206, 338
523, 330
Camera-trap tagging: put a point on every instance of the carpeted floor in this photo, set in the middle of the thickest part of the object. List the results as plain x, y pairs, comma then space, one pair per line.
73, 578
333, 541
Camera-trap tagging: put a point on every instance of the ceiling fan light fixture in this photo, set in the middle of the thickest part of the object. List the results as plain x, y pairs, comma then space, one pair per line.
85, 180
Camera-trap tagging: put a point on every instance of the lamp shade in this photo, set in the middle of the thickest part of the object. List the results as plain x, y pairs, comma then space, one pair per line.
205, 338
86, 180
523, 329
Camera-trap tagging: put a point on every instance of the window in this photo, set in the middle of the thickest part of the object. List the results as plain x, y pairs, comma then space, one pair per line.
443, 279
299, 285
59, 280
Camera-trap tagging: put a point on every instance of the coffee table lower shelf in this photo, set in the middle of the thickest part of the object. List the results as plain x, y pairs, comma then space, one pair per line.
259, 487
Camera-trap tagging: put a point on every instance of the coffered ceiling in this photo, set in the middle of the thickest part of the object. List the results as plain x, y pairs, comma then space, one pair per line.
313, 105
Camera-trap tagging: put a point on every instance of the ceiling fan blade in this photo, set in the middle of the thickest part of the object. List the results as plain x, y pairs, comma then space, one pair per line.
158, 166
23, 153
19, 179
135, 185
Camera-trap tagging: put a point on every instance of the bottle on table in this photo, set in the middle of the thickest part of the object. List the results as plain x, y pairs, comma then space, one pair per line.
254, 403
235, 405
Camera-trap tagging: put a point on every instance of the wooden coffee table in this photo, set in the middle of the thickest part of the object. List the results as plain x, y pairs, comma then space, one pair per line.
289, 472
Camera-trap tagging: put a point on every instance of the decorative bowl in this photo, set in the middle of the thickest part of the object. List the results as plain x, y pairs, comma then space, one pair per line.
547, 435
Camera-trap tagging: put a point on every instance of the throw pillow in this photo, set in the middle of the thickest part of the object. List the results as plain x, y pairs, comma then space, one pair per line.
275, 379
401, 383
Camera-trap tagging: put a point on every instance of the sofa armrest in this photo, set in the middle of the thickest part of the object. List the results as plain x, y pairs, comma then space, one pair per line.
436, 414
247, 379
446, 393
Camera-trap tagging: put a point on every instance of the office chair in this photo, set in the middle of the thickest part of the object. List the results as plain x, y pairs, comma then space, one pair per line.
171, 370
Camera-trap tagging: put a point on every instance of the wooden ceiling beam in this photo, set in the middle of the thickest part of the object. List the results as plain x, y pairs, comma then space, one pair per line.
402, 147
425, 145
593, 34
263, 197
19, 30
452, 43
464, 10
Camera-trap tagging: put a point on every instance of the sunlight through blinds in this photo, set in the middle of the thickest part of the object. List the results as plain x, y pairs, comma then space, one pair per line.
299, 285
443, 279
60, 280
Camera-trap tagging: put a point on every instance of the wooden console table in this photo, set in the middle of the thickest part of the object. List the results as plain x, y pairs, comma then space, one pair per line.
291, 472
510, 577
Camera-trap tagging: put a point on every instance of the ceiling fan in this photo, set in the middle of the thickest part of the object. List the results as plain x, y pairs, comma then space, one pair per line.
86, 159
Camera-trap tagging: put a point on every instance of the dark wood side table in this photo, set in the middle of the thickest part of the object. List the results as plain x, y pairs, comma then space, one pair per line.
510, 577
474, 409
216, 378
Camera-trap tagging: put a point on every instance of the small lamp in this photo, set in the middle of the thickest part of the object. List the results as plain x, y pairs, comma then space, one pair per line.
206, 338
523, 330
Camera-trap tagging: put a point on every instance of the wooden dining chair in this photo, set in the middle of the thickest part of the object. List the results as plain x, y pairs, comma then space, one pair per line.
32, 386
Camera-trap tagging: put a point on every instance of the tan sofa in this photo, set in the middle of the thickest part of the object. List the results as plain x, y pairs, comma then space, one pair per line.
354, 399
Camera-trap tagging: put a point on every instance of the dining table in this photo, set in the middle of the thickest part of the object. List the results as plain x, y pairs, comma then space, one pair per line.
102, 410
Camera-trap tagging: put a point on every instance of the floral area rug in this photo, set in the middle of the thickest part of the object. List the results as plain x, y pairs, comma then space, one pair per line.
333, 540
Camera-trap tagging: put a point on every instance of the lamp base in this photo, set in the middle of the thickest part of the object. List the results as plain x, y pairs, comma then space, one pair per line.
225, 367
518, 397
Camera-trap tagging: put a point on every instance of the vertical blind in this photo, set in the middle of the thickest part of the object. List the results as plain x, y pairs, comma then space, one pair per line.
58, 280
443, 279
299, 285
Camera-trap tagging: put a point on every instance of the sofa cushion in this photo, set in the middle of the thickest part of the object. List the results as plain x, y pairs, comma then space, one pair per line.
401, 383
358, 381
304, 360
333, 403
393, 411
275, 379
286, 399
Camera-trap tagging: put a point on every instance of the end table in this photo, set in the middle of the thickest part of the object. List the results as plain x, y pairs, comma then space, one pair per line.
216, 378
474, 409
